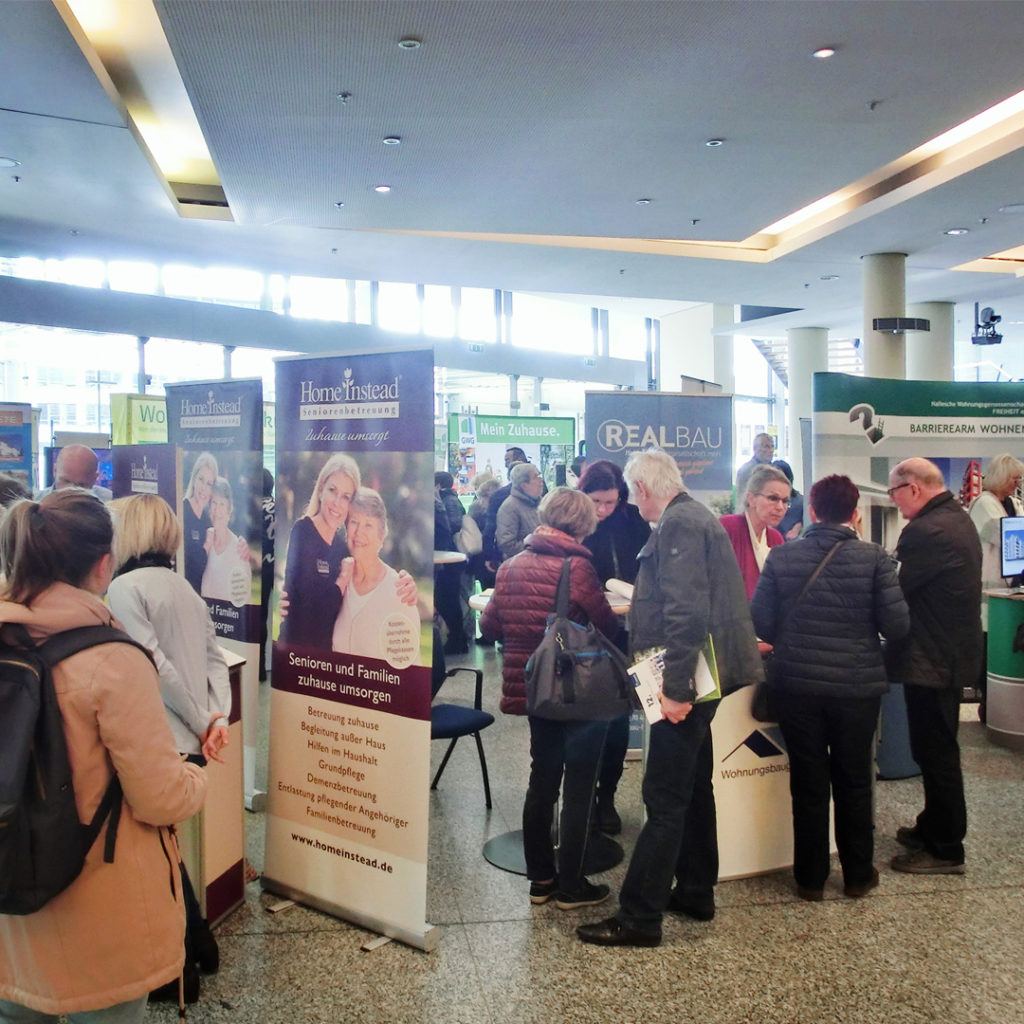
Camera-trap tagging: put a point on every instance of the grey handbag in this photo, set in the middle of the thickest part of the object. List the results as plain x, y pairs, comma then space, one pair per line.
576, 674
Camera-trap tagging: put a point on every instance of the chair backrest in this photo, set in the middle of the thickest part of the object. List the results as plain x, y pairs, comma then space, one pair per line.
438, 667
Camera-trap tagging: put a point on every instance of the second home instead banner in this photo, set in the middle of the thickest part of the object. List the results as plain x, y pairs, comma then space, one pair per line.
347, 819
218, 425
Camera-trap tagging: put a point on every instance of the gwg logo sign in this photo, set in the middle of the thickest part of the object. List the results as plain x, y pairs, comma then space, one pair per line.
616, 436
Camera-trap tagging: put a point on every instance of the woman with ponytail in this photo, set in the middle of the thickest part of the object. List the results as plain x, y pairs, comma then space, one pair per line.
95, 950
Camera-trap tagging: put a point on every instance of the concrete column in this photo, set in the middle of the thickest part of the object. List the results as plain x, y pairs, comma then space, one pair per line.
538, 396
143, 379
930, 353
228, 349
808, 354
513, 393
722, 315
884, 295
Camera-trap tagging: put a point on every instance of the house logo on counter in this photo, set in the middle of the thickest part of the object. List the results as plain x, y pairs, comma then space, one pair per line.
769, 753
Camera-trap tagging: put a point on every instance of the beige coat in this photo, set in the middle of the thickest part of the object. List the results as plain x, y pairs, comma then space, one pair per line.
118, 930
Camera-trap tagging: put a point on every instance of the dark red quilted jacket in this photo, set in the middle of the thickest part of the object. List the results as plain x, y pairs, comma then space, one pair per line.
524, 596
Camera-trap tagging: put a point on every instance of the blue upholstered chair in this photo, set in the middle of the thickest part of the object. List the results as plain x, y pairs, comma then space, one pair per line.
450, 721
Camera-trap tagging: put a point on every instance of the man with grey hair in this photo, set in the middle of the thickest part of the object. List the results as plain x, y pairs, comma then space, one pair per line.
763, 450
688, 587
518, 516
940, 573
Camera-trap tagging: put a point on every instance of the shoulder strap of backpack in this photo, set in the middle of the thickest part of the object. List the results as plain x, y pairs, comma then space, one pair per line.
57, 648
71, 641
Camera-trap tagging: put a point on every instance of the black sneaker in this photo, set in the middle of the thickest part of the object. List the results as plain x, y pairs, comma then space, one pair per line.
541, 892
921, 862
587, 895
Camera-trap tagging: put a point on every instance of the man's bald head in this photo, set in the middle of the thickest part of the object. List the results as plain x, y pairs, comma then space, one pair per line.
77, 466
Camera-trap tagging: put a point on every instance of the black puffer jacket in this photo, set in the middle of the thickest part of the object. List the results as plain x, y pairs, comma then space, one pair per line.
940, 572
827, 644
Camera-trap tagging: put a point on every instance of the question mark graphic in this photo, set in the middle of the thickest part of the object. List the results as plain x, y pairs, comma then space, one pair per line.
866, 414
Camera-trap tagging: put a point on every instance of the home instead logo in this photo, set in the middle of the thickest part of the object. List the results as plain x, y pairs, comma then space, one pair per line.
211, 413
769, 749
349, 400
144, 477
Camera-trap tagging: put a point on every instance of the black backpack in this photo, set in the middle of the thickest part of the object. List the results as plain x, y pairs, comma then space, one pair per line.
42, 842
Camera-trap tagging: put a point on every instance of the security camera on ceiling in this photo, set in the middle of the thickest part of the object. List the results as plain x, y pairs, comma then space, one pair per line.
985, 327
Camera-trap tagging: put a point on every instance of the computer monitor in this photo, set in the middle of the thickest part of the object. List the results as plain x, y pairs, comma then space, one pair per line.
1011, 546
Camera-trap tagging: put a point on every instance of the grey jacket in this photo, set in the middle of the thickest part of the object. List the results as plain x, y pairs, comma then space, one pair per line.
827, 640
689, 585
517, 519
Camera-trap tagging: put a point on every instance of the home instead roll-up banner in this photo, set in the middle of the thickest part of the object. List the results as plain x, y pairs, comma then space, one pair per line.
218, 425
347, 820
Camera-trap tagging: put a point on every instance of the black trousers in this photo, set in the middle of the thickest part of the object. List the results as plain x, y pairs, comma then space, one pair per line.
829, 745
933, 716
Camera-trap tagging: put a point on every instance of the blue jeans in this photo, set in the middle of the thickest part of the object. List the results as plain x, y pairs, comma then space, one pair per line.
680, 838
574, 747
122, 1013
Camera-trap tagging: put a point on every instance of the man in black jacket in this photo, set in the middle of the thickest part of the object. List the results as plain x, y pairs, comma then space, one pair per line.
940, 573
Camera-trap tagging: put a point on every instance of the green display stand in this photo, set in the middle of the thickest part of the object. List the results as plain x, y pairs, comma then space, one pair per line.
1005, 701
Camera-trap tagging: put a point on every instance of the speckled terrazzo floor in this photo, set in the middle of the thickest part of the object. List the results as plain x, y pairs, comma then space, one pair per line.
945, 949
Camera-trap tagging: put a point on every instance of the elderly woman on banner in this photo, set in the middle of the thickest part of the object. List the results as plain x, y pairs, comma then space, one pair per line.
524, 596
998, 499
373, 621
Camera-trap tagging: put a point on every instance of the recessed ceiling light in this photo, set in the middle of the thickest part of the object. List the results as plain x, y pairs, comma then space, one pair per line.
382, 188
954, 232
643, 202
410, 43
829, 277
712, 143
393, 140
824, 53
1012, 208
9, 161
339, 204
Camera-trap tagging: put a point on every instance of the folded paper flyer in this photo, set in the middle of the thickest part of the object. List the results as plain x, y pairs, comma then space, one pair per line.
647, 675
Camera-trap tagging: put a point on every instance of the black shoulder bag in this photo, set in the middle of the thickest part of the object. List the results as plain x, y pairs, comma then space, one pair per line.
576, 674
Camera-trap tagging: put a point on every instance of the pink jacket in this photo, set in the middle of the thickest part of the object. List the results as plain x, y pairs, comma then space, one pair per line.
739, 533
118, 930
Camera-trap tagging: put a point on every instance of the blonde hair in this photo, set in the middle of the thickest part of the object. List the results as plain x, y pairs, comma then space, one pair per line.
144, 523
570, 511
339, 462
1001, 471
202, 459
57, 540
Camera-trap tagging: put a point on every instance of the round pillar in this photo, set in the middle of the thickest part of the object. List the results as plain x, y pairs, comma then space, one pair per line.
723, 315
884, 296
808, 355
930, 353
